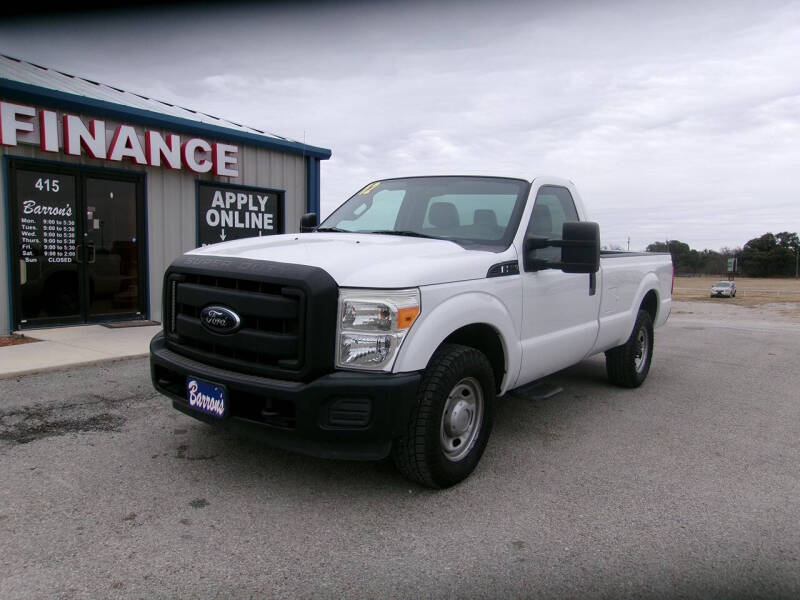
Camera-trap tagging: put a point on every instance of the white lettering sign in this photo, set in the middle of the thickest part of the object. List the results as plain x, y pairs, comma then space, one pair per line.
157, 148
18, 122
48, 137
31, 207
77, 135
225, 161
194, 152
206, 403
235, 213
10, 122
126, 144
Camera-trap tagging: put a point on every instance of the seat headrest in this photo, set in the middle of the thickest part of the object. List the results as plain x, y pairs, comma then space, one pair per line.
542, 221
485, 216
443, 214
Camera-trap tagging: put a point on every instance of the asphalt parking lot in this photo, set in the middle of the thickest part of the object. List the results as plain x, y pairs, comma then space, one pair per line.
687, 487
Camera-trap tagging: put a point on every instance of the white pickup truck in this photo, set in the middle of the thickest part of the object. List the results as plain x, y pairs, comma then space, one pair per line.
393, 326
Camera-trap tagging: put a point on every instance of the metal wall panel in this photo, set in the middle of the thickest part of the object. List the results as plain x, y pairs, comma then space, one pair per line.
5, 284
171, 205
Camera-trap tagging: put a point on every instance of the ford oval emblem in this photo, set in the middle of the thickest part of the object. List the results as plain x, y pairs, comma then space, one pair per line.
220, 319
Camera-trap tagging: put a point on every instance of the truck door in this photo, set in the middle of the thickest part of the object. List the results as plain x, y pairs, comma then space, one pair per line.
559, 312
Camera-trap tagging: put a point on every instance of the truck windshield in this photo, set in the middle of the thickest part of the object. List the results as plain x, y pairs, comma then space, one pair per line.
466, 210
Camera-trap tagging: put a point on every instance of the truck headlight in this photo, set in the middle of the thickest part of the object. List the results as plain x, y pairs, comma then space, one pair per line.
372, 324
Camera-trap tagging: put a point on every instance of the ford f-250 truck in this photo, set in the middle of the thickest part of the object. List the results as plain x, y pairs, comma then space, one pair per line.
393, 326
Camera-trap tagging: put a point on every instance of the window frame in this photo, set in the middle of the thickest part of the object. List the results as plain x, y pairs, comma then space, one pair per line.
545, 253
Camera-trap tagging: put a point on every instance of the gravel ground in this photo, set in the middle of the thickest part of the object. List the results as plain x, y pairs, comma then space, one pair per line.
687, 487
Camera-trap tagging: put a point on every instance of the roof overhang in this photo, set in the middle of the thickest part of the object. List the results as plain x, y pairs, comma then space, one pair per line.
42, 96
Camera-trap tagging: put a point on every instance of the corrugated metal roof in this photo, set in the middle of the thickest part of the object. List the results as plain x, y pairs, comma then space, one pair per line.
27, 73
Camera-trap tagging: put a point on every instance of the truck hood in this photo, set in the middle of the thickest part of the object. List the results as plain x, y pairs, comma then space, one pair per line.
368, 260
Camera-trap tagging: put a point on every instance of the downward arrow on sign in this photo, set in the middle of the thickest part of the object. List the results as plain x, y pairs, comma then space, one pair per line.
222, 235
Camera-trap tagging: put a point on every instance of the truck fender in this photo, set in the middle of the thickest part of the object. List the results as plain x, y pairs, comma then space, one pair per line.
649, 283
470, 308
616, 328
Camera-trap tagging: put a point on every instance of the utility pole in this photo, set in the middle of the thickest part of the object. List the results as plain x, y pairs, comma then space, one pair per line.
629, 243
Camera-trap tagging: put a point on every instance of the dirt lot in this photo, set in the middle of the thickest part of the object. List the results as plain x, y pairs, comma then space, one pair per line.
778, 297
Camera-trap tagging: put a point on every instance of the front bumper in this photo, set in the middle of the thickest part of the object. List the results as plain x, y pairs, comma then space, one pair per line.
341, 415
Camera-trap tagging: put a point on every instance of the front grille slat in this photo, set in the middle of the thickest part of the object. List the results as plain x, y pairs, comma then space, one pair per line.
245, 340
250, 303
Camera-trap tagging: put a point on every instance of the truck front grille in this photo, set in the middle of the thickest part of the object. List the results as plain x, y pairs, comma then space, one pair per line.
271, 333
273, 338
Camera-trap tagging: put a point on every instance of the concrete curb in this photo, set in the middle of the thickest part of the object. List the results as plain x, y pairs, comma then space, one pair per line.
63, 348
67, 367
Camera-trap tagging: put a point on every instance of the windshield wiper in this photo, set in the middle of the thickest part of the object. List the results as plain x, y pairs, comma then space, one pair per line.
334, 229
403, 232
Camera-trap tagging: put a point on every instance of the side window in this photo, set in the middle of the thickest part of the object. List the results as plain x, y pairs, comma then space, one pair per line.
551, 209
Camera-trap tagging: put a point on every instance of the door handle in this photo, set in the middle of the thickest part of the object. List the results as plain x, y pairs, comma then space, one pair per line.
77, 258
91, 253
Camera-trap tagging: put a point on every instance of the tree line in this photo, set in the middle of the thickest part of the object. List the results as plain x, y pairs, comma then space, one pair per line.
771, 255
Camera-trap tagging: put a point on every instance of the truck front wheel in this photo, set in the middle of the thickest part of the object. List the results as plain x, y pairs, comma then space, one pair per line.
451, 422
628, 365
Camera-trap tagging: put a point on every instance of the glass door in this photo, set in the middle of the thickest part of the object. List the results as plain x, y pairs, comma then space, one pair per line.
112, 258
79, 253
49, 261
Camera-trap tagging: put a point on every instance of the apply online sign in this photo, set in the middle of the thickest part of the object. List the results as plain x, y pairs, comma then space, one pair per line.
230, 213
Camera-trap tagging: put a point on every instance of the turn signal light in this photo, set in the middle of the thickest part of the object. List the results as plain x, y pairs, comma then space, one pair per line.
407, 316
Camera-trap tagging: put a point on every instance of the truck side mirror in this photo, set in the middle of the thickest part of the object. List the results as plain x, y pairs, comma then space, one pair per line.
580, 249
536, 242
308, 222
531, 244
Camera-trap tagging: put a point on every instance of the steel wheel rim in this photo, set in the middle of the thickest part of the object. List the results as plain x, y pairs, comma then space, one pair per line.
461, 419
642, 349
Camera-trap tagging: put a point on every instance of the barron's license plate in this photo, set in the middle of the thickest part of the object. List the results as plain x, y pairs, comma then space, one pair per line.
207, 397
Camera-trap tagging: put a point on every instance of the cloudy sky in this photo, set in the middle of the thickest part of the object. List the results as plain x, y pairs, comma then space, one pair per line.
676, 120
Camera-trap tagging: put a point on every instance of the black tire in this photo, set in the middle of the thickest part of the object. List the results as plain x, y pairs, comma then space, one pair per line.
627, 365
431, 452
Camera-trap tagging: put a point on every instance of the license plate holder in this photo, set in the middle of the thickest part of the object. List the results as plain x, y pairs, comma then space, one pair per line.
207, 397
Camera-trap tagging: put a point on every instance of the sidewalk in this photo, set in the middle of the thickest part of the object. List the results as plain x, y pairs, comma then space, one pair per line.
66, 347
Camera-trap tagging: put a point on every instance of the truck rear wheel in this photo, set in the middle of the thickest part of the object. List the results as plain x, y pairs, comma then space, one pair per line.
628, 365
450, 424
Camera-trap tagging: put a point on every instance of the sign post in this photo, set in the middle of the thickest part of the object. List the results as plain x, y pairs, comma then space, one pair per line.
731, 269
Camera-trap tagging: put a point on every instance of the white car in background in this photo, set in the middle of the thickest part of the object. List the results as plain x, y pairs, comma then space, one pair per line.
723, 288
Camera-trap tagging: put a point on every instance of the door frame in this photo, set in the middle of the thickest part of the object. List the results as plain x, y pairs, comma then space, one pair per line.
545, 351
80, 173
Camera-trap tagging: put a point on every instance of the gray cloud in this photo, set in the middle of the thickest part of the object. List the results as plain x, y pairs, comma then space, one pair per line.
676, 121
